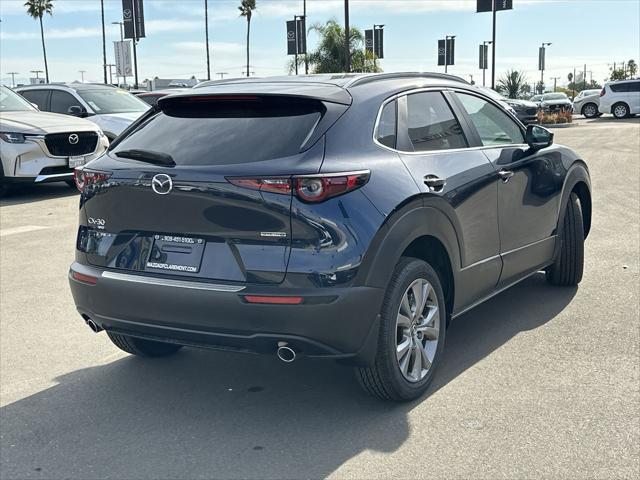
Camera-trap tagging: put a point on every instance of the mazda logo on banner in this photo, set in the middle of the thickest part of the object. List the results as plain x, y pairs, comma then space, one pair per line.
487, 5
133, 18
296, 36
446, 51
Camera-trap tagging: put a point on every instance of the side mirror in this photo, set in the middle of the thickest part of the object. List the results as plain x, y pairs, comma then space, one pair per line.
77, 111
538, 137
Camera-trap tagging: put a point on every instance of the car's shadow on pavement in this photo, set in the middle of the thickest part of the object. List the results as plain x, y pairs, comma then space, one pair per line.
203, 414
29, 193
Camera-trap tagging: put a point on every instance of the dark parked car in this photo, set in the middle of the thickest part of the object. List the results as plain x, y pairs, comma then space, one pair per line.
348, 217
526, 111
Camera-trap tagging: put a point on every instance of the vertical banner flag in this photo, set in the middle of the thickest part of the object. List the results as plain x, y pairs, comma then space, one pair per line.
378, 43
122, 52
541, 59
484, 57
291, 37
301, 30
368, 40
133, 16
441, 52
487, 5
451, 51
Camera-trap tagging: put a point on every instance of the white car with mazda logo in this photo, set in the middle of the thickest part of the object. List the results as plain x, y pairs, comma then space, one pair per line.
43, 147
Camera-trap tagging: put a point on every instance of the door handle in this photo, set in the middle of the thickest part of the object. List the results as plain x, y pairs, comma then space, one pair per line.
505, 175
434, 183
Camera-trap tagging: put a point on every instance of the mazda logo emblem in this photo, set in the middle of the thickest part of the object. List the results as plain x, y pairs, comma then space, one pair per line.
74, 138
161, 184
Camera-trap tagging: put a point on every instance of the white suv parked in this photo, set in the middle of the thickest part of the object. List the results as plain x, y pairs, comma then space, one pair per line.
113, 109
621, 98
42, 147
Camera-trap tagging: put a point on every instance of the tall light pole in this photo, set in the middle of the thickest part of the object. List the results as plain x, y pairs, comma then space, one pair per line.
446, 50
555, 83
206, 33
347, 43
82, 72
104, 42
542, 64
493, 49
484, 70
37, 72
306, 59
13, 78
110, 73
124, 78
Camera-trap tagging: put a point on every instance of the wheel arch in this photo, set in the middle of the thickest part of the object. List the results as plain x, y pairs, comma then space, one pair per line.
417, 230
577, 181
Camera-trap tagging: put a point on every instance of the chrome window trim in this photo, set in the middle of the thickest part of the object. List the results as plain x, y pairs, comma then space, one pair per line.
450, 150
167, 282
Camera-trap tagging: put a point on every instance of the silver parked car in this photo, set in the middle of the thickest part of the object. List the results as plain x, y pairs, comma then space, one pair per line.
42, 147
113, 109
586, 103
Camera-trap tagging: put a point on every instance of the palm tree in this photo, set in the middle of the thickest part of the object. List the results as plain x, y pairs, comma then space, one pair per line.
246, 10
512, 84
330, 57
36, 9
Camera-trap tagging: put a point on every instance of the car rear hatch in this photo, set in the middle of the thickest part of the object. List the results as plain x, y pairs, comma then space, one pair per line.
177, 195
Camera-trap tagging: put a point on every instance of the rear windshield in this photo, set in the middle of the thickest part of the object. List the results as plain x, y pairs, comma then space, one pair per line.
225, 132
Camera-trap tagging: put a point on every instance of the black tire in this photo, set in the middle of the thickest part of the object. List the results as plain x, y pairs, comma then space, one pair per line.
568, 268
591, 111
141, 347
384, 379
620, 110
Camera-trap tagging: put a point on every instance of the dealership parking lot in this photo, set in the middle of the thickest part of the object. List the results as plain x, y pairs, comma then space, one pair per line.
539, 382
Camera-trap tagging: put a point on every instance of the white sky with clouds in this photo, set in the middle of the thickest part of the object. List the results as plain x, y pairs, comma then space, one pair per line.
595, 32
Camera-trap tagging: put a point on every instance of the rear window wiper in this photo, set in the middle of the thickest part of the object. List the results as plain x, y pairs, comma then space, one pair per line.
148, 156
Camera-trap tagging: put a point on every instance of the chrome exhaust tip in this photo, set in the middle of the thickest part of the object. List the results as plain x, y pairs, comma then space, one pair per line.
286, 354
93, 326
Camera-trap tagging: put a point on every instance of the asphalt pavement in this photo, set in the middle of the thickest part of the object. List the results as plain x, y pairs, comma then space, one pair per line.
539, 382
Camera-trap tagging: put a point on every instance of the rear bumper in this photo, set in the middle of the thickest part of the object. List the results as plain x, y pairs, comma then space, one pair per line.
336, 323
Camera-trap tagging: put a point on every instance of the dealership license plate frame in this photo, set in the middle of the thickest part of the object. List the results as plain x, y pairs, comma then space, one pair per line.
176, 254
77, 161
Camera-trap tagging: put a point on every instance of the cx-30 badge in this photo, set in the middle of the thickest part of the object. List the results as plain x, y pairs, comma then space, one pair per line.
74, 138
161, 184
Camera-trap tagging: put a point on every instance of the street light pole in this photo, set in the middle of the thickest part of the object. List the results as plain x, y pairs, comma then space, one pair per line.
446, 51
104, 42
306, 58
82, 72
110, 73
493, 49
206, 33
544, 60
37, 72
555, 82
13, 78
484, 70
347, 43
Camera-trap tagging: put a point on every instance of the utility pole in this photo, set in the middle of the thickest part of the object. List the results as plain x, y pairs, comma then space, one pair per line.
306, 58
206, 33
555, 83
104, 42
584, 77
347, 43
13, 78
82, 72
222, 74
484, 70
574, 82
124, 77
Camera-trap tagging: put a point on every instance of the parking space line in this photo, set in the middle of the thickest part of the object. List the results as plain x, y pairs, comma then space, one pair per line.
24, 229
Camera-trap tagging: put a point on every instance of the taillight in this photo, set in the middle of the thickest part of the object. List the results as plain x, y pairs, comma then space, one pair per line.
602, 92
308, 188
85, 178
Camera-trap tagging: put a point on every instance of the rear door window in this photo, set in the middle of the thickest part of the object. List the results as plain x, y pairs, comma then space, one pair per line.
216, 131
431, 123
39, 97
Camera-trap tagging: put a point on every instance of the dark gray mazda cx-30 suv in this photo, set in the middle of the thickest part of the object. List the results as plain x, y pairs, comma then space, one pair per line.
349, 217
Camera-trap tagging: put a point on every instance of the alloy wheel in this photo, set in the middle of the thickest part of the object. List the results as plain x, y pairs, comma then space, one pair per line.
620, 111
417, 330
590, 111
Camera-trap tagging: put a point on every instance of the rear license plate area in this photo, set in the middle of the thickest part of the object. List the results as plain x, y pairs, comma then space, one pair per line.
175, 253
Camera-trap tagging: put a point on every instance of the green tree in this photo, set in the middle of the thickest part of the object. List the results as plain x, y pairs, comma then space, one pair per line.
246, 10
329, 57
628, 70
512, 84
36, 9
